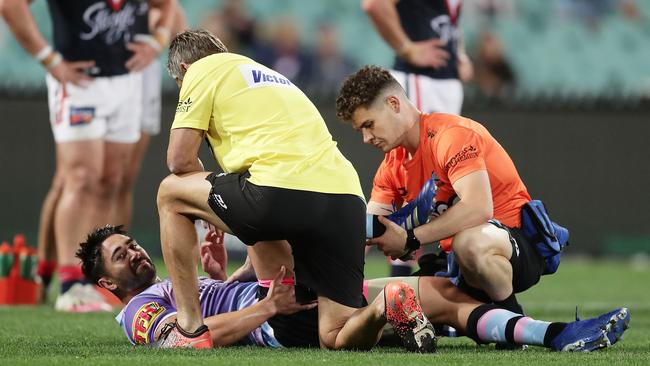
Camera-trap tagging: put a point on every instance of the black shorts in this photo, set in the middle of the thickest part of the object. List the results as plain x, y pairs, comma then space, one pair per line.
326, 231
527, 264
296, 330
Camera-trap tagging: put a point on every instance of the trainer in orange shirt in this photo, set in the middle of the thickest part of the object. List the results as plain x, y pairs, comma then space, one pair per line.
477, 182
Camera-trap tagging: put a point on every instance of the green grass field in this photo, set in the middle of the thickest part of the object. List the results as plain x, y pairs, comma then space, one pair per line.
41, 336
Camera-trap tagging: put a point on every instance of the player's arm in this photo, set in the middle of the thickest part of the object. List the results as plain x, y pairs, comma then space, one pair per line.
474, 208
145, 47
465, 65
385, 18
22, 24
183, 150
228, 328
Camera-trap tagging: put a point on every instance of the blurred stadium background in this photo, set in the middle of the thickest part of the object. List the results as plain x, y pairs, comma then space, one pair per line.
563, 85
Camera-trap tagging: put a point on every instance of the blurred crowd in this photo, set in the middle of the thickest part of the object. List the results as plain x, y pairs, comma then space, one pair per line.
319, 66
279, 44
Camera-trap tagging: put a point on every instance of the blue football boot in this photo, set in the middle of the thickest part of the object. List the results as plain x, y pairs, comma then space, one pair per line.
416, 212
592, 334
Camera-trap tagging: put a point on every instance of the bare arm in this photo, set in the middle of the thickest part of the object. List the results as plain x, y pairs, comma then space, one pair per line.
183, 151
167, 13
385, 18
22, 24
228, 328
473, 209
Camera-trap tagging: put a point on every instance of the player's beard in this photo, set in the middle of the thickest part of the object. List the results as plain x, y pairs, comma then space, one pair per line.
142, 276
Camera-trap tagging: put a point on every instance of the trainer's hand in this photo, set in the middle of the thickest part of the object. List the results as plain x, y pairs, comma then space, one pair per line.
427, 53
72, 72
393, 242
245, 273
143, 55
214, 257
283, 297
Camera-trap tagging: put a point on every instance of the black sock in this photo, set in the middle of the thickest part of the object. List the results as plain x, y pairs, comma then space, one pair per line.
65, 285
472, 321
510, 303
200, 330
552, 331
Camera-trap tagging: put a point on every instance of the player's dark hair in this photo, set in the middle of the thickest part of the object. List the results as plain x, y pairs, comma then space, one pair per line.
190, 46
361, 89
90, 251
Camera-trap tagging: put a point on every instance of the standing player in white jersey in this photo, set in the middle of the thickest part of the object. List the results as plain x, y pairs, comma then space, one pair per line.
430, 59
93, 78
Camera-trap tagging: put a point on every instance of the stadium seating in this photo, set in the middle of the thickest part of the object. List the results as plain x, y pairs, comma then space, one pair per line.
550, 56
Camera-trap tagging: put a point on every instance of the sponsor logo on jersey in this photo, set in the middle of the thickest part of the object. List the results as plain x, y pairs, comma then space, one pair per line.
112, 23
81, 115
468, 152
258, 76
143, 320
184, 105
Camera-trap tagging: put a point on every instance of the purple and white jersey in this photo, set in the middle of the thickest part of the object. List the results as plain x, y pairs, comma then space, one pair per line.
144, 312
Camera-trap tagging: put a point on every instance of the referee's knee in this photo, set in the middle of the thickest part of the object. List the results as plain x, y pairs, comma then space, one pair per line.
166, 191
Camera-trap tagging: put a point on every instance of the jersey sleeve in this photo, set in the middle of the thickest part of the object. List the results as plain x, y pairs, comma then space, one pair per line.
142, 316
460, 151
196, 100
384, 189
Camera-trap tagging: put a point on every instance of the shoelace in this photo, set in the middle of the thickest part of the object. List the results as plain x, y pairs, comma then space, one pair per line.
166, 330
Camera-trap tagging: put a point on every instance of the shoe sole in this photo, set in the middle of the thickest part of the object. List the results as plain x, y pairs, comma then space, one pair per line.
611, 333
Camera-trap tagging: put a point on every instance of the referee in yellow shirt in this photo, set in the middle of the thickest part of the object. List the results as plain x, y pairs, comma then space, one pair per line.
287, 189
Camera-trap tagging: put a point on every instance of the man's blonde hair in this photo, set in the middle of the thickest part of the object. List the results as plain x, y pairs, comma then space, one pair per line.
190, 46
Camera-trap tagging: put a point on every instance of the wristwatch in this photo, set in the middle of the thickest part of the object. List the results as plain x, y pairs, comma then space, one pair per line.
412, 244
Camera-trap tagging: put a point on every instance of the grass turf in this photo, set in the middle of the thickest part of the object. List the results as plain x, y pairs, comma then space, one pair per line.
40, 336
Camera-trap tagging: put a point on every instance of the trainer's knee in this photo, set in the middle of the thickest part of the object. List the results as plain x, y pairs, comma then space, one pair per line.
471, 248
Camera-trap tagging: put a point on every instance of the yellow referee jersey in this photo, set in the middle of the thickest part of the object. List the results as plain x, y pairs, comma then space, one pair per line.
257, 120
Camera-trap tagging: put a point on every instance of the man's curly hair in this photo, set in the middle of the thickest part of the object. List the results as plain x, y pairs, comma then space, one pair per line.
361, 89
90, 251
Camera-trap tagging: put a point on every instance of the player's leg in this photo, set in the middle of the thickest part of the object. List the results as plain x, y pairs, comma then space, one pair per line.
149, 126
124, 201
181, 200
46, 250
483, 255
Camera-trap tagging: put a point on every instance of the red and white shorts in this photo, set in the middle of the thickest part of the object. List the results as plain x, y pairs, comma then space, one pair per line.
432, 95
107, 108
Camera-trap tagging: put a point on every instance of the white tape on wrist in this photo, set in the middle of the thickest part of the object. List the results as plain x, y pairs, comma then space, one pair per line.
43, 53
148, 39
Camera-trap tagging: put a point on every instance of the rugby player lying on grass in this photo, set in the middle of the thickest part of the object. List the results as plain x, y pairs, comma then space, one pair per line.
234, 314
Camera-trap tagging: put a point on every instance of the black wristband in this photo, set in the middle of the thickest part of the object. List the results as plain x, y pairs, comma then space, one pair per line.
412, 244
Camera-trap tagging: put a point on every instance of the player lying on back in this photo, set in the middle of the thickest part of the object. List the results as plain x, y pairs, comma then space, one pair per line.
235, 316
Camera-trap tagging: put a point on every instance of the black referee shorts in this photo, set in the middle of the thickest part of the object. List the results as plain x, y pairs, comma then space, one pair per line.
326, 231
